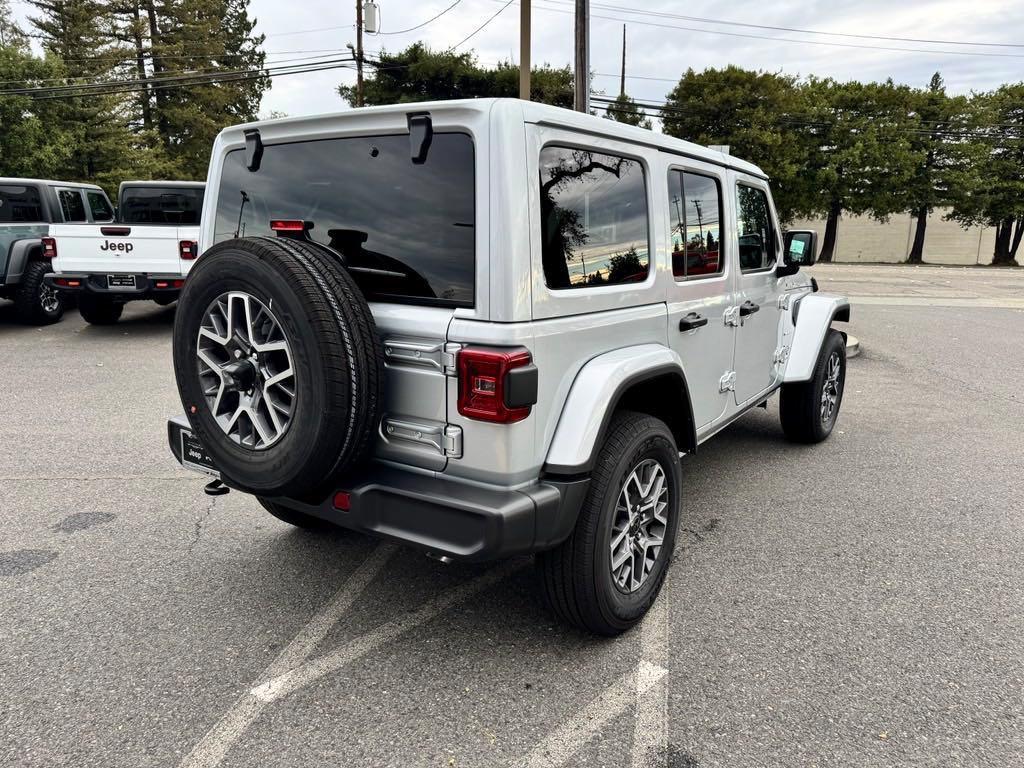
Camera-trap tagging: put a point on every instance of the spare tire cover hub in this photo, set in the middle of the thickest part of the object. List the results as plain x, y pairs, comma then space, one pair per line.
245, 368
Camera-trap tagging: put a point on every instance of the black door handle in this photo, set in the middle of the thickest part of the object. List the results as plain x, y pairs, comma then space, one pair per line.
748, 308
692, 321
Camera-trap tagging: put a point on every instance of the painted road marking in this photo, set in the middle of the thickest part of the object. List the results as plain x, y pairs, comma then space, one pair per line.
564, 742
650, 729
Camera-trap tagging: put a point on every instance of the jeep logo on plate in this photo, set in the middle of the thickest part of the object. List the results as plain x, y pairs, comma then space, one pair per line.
110, 245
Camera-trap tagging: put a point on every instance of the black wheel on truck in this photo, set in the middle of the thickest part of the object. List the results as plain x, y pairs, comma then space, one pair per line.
35, 302
278, 364
609, 571
809, 409
99, 310
298, 519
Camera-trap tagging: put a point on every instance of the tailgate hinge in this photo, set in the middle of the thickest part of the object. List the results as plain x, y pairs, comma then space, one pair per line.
453, 442
449, 358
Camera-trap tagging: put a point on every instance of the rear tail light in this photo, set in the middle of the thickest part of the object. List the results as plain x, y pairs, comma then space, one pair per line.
49, 248
343, 501
188, 249
67, 282
178, 283
496, 385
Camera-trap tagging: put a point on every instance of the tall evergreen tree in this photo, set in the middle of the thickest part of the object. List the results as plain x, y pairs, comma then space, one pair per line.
625, 110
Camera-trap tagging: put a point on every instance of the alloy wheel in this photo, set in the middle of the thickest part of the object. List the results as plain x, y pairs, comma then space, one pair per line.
830, 389
639, 525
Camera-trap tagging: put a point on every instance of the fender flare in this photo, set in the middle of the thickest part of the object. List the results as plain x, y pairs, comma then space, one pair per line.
813, 315
597, 391
18, 257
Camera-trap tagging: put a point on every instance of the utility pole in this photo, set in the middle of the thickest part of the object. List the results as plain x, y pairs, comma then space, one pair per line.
622, 80
583, 56
359, 53
524, 50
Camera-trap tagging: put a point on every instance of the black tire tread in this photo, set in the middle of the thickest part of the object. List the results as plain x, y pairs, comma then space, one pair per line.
99, 310
26, 296
799, 401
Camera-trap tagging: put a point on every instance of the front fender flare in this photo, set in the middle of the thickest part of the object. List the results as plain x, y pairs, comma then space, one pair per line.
813, 316
595, 393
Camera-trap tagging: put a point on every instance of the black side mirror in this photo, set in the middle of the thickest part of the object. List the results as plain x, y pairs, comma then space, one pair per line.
800, 249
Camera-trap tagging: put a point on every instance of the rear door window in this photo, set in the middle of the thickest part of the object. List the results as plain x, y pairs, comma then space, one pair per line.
20, 204
71, 205
406, 231
695, 212
160, 205
100, 206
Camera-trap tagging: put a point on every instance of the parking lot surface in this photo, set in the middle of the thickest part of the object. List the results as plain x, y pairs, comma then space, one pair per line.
853, 603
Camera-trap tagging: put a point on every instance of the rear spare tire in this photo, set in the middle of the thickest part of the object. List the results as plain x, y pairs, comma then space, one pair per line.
278, 364
99, 310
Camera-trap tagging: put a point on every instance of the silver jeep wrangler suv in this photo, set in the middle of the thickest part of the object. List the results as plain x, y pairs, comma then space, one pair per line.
490, 328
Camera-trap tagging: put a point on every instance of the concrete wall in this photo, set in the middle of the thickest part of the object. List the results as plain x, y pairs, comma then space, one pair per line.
861, 238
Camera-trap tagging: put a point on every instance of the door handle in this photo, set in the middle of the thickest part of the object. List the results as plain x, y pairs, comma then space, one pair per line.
748, 308
692, 321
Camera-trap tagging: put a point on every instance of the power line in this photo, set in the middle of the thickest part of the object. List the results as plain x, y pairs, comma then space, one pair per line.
751, 36
473, 33
428, 21
861, 36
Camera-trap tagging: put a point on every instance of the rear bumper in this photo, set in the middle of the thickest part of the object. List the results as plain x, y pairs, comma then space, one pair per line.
444, 517
146, 285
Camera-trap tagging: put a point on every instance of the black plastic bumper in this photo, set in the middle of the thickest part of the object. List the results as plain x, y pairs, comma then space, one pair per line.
146, 285
442, 516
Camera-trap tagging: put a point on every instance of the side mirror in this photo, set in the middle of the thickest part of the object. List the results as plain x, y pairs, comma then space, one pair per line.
800, 249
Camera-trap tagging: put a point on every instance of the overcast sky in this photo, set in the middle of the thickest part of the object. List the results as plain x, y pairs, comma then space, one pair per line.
656, 47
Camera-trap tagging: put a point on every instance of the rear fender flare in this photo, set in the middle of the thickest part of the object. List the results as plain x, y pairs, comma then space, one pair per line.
21, 252
813, 315
596, 393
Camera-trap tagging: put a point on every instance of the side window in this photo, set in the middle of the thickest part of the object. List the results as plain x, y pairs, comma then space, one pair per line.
695, 210
20, 204
100, 207
756, 236
71, 204
593, 214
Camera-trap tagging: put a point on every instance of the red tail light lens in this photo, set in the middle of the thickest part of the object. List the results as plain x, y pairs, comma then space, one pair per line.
179, 283
188, 249
49, 248
288, 225
484, 384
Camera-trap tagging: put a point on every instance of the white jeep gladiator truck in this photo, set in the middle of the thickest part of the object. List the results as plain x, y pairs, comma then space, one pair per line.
145, 254
490, 328
28, 210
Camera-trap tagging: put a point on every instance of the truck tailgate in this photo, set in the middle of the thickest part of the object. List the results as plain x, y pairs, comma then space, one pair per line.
116, 248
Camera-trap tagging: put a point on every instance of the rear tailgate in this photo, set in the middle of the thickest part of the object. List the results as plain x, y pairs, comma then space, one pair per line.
116, 248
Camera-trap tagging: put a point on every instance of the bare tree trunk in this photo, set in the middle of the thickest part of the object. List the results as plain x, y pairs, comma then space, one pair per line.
1001, 254
916, 255
828, 245
158, 68
1017, 236
140, 65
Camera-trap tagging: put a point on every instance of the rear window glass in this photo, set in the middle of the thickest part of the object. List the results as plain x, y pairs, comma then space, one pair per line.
406, 231
160, 205
101, 210
71, 205
20, 204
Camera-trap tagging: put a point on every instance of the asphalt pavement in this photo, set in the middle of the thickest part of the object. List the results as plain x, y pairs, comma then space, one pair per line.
857, 603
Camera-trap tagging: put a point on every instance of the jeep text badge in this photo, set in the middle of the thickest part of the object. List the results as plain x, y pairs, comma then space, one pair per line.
110, 245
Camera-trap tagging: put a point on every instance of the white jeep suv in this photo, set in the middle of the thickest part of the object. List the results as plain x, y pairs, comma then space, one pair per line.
489, 328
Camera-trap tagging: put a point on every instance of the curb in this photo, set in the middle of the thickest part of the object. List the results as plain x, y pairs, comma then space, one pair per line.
852, 346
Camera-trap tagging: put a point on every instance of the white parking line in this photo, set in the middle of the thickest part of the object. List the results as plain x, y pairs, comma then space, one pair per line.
292, 670
213, 747
650, 730
565, 741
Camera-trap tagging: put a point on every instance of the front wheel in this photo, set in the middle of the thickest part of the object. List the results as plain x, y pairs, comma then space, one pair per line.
809, 409
607, 574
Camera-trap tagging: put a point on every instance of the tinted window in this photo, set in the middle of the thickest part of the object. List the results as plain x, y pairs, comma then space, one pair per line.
695, 209
756, 235
593, 218
160, 205
406, 231
100, 207
71, 204
20, 204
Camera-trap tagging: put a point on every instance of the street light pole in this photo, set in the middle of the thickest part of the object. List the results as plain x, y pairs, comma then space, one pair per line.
524, 50
582, 56
359, 53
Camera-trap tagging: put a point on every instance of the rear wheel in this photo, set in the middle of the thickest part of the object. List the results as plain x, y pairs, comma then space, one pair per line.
607, 574
99, 310
298, 519
35, 302
809, 409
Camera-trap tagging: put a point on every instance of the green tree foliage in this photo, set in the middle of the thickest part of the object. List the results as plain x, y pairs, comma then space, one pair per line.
420, 74
995, 195
752, 113
625, 110
857, 156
